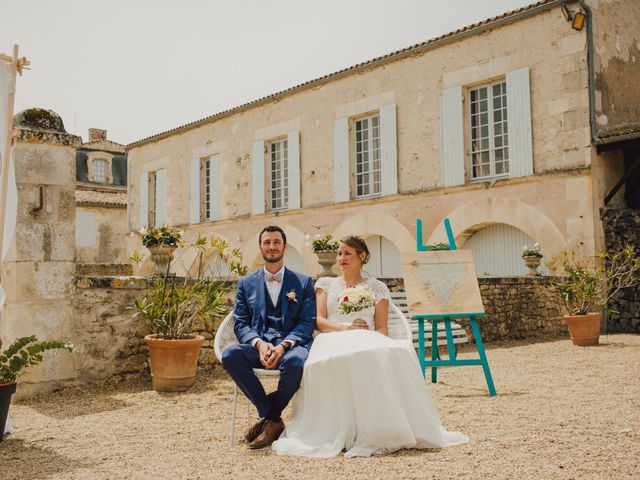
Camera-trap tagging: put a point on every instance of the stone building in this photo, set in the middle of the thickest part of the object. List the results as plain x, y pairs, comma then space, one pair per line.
101, 201
494, 126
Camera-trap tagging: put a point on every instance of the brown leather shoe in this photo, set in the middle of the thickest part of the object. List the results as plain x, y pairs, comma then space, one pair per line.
253, 431
270, 433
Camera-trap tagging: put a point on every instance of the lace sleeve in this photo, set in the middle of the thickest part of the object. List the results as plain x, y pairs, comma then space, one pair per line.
379, 289
323, 283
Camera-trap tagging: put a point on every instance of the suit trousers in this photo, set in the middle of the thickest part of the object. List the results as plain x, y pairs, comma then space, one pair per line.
240, 360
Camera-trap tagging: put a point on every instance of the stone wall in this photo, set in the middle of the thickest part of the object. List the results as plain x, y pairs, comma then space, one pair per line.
519, 308
622, 227
110, 342
516, 308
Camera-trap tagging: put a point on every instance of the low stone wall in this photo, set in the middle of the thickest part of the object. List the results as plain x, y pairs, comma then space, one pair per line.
520, 307
621, 228
110, 342
516, 308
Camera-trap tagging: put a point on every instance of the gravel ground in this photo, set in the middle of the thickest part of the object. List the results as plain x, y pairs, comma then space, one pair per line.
561, 412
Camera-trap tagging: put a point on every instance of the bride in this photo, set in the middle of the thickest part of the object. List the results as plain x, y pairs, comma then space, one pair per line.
362, 391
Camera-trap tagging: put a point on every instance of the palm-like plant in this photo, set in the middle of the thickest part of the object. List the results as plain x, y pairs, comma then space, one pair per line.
173, 305
24, 353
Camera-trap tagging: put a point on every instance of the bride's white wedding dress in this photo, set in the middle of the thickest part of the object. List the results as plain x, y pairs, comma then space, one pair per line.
361, 391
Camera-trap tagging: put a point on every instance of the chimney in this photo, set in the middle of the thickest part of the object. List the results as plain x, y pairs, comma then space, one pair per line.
97, 134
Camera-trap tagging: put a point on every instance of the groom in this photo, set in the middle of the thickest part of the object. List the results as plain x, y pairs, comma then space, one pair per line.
275, 314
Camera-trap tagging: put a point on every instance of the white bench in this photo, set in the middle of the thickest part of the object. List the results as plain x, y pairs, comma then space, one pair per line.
459, 333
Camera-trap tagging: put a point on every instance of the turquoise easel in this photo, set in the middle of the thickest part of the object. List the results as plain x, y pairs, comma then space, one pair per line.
453, 361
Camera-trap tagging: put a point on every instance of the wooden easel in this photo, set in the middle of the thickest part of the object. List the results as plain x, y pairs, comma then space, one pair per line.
452, 361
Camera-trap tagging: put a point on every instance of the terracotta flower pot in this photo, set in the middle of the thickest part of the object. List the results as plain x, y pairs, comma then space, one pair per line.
6, 391
584, 329
173, 362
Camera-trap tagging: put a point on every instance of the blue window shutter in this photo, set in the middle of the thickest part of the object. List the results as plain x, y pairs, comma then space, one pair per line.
144, 199
161, 195
389, 149
451, 127
293, 150
519, 121
194, 191
216, 185
341, 173
257, 178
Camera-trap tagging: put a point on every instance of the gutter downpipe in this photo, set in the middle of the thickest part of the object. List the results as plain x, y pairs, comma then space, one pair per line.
591, 72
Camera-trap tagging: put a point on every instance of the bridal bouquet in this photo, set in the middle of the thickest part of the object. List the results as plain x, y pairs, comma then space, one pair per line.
355, 299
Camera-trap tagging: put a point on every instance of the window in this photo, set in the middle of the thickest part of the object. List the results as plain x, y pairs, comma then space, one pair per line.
100, 170
206, 186
367, 157
152, 199
489, 131
279, 174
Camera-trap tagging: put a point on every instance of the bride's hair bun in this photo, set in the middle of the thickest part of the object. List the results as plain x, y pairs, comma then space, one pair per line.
358, 244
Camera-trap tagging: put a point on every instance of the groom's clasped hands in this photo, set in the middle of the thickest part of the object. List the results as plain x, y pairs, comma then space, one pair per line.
270, 356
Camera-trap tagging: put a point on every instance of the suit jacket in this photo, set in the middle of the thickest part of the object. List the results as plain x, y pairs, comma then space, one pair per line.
298, 307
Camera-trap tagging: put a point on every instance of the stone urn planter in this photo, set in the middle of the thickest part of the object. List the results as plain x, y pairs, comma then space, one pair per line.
532, 262
327, 260
584, 329
173, 362
161, 256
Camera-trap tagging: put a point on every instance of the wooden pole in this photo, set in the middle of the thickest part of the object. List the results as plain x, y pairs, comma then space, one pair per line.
6, 158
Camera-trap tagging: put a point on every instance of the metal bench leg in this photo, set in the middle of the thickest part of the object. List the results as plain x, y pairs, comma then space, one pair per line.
421, 354
483, 356
233, 414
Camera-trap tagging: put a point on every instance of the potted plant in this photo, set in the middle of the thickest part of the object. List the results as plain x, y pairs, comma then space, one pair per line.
15, 361
532, 258
326, 249
173, 306
585, 290
161, 243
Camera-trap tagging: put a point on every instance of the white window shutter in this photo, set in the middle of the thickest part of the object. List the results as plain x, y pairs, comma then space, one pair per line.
216, 185
257, 177
389, 150
194, 191
341, 160
293, 151
144, 199
451, 127
161, 195
519, 121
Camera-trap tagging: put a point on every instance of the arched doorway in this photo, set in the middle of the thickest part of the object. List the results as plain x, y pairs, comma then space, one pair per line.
385, 261
497, 250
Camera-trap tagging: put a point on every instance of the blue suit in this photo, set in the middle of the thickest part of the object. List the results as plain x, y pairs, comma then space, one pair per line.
292, 318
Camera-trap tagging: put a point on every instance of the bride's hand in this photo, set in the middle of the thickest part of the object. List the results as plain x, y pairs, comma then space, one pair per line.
358, 324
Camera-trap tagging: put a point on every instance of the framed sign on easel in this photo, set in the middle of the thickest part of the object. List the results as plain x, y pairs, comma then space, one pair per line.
441, 285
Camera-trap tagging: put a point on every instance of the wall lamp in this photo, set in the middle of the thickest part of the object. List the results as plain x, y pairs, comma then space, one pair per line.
576, 19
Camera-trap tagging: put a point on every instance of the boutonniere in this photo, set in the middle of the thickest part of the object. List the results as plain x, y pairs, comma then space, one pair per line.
291, 296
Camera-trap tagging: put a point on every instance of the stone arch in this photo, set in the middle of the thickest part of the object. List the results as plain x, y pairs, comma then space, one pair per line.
364, 224
471, 217
295, 239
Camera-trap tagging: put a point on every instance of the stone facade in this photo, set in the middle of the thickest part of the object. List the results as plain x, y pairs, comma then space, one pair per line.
565, 170
622, 228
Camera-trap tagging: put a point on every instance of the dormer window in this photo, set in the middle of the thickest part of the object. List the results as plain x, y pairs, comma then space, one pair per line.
100, 170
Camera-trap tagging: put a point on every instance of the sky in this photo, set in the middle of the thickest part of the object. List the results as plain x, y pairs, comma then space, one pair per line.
141, 67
